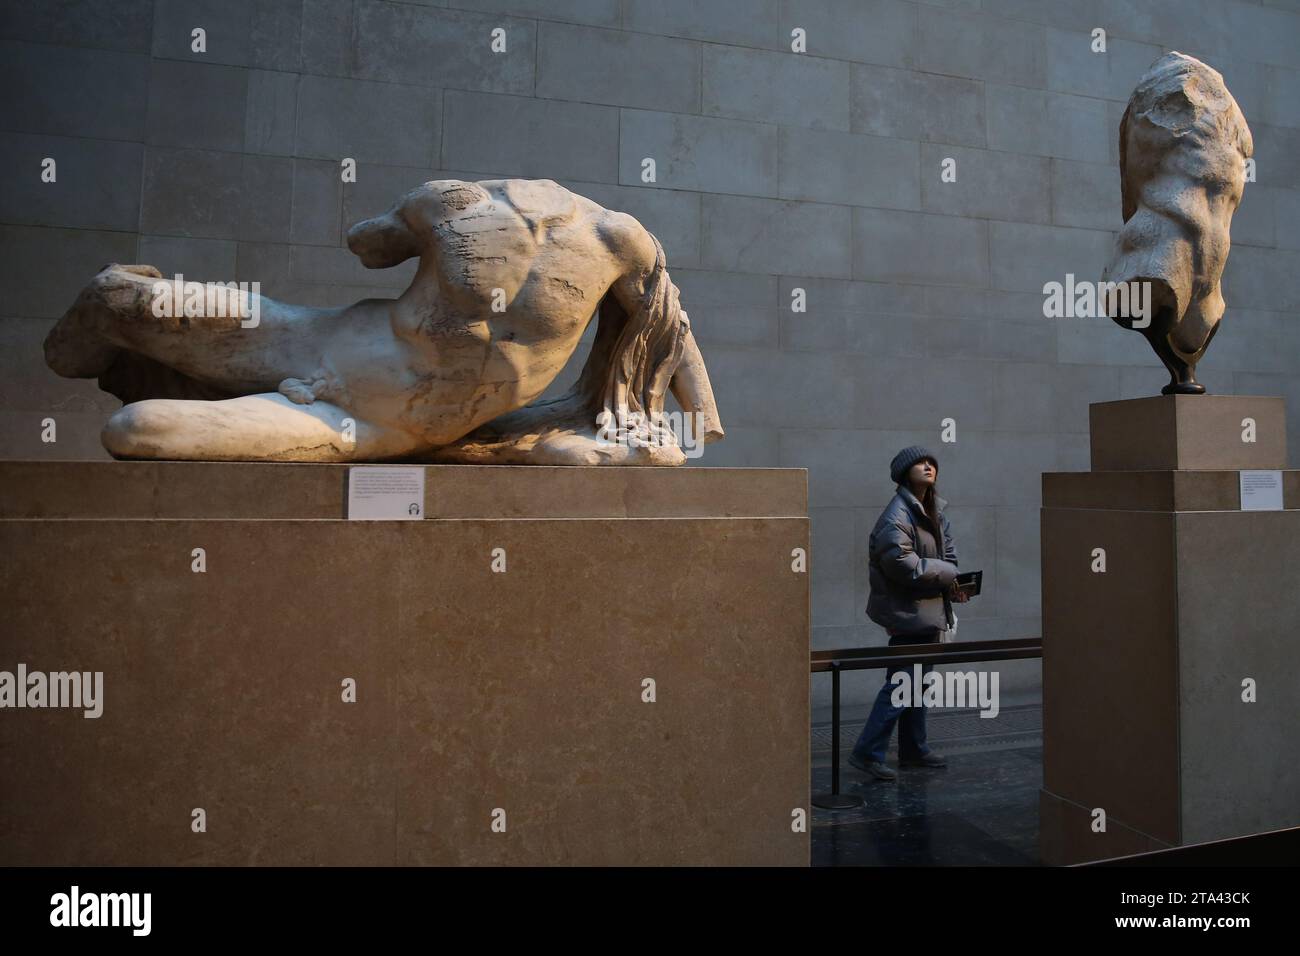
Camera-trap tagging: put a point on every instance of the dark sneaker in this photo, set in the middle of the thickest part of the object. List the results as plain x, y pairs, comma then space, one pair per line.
872, 768
931, 759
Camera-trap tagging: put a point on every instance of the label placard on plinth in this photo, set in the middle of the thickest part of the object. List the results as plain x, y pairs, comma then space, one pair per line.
1261, 490
386, 494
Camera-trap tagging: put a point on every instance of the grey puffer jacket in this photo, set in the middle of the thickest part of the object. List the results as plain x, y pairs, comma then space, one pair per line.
910, 572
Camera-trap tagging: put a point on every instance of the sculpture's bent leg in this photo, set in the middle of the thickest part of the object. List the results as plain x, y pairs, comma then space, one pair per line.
266, 427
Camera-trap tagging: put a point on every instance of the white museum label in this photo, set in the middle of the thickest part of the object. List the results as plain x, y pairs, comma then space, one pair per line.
1261, 490
386, 494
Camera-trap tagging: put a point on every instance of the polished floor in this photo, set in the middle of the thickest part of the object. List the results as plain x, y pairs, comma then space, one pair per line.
980, 810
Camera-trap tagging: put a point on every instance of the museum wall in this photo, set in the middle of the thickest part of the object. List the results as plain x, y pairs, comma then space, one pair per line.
775, 171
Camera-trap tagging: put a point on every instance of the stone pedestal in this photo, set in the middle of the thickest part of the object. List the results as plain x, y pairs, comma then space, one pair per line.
1144, 662
481, 695
1188, 433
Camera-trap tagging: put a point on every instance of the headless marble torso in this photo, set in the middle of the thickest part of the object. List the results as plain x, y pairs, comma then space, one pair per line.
511, 272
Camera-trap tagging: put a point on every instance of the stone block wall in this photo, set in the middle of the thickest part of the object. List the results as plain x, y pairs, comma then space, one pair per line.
775, 171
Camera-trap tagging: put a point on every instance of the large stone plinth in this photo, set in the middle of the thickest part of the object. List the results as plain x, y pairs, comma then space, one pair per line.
476, 690
1144, 662
1188, 433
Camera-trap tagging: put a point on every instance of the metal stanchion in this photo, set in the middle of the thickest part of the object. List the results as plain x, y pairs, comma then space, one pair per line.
835, 800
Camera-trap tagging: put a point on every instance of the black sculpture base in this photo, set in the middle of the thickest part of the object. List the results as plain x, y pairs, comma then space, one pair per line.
1183, 388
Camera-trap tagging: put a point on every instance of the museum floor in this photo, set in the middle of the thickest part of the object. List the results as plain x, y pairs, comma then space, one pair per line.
980, 810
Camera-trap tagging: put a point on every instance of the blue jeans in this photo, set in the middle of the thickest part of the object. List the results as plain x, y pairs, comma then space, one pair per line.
874, 740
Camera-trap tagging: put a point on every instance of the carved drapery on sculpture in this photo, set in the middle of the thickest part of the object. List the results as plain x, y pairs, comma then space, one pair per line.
511, 272
1183, 147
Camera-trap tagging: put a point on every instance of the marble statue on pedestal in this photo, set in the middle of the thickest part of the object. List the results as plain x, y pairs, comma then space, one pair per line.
1183, 149
511, 272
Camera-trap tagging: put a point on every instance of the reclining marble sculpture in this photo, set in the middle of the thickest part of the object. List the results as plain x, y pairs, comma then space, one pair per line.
511, 272
1183, 147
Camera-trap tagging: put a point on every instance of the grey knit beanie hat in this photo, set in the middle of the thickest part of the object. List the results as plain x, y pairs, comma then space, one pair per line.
908, 457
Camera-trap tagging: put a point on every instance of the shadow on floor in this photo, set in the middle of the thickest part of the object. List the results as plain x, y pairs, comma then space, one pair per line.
980, 810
